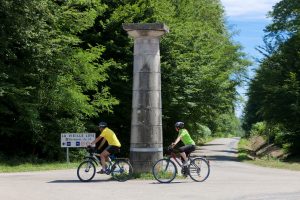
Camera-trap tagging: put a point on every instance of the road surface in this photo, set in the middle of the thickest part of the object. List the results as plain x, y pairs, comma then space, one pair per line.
229, 179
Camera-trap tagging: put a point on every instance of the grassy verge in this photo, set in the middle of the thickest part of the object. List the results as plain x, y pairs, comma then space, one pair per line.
202, 141
246, 155
149, 176
29, 167
143, 176
25, 167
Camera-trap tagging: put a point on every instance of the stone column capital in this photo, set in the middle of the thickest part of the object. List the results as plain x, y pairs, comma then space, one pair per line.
137, 30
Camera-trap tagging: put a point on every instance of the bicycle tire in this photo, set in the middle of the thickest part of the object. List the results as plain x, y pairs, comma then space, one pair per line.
164, 170
121, 170
86, 171
199, 169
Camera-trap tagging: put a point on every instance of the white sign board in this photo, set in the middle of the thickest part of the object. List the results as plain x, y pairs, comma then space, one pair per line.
77, 139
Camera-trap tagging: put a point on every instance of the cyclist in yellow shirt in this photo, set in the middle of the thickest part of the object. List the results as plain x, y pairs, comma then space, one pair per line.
113, 144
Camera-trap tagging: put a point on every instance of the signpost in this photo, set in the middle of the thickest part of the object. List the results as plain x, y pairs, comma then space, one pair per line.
76, 140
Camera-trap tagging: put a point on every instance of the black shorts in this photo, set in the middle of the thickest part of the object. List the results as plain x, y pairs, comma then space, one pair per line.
187, 149
112, 149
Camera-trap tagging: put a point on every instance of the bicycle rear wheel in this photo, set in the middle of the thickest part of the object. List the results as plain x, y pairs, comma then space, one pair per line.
121, 170
199, 169
164, 170
86, 171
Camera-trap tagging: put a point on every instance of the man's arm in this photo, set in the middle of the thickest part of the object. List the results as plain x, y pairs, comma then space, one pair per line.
102, 143
176, 141
96, 140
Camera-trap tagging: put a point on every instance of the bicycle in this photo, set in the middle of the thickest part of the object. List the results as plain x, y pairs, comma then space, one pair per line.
165, 169
119, 168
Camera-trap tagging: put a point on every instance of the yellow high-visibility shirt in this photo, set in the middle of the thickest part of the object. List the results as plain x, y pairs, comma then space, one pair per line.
111, 137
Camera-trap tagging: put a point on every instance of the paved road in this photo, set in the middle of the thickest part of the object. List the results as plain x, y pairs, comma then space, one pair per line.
229, 179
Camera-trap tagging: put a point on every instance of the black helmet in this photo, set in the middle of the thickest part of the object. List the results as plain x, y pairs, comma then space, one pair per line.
179, 125
102, 124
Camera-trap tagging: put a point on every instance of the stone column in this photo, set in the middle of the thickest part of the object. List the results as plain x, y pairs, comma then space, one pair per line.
146, 119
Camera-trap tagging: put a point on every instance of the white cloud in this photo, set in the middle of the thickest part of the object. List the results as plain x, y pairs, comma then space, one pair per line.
251, 9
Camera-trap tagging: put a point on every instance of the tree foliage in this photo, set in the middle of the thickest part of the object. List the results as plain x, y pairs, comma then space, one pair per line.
199, 62
274, 92
48, 83
67, 64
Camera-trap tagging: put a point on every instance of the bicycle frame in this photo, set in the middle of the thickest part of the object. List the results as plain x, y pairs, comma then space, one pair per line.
93, 157
175, 157
119, 168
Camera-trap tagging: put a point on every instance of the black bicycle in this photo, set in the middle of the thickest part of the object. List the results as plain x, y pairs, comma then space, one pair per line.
165, 170
119, 168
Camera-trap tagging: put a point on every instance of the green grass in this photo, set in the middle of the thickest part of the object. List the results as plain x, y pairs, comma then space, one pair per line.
149, 176
246, 155
275, 163
143, 176
25, 167
204, 140
29, 167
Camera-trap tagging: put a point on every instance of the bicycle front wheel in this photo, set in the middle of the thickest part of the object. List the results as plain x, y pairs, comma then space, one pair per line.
164, 170
86, 171
199, 169
121, 170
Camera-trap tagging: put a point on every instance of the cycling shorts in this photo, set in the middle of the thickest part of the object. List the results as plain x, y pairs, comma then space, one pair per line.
187, 148
112, 149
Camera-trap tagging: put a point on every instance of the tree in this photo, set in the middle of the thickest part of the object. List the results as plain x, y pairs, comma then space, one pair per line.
49, 84
274, 92
65, 65
199, 61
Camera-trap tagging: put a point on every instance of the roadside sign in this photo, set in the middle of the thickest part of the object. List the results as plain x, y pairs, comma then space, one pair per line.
77, 139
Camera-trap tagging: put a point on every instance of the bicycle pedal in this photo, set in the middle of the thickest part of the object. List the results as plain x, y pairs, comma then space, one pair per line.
103, 172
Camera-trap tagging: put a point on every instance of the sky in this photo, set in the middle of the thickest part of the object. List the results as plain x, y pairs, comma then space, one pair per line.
248, 18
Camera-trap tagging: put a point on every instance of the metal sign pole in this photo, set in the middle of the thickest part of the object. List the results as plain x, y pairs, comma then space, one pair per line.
68, 158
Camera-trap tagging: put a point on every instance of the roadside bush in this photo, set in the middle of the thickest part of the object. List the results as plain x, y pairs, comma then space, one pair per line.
258, 128
272, 133
201, 132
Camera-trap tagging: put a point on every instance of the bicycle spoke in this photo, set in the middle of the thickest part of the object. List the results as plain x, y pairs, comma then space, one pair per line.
121, 170
199, 169
164, 171
86, 171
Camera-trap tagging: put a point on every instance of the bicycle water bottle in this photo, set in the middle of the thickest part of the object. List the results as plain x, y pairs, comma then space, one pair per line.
112, 157
110, 161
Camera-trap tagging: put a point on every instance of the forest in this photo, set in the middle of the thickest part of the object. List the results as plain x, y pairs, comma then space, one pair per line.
273, 108
67, 64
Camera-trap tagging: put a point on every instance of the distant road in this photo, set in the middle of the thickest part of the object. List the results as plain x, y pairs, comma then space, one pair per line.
229, 179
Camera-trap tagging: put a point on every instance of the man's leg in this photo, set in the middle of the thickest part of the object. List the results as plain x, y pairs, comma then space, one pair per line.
183, 155
103, 157
182, 151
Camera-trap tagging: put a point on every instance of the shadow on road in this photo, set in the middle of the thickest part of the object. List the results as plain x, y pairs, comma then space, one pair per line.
221, 158
226, 151
213, 155
173, 182
212, 144
78, 181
